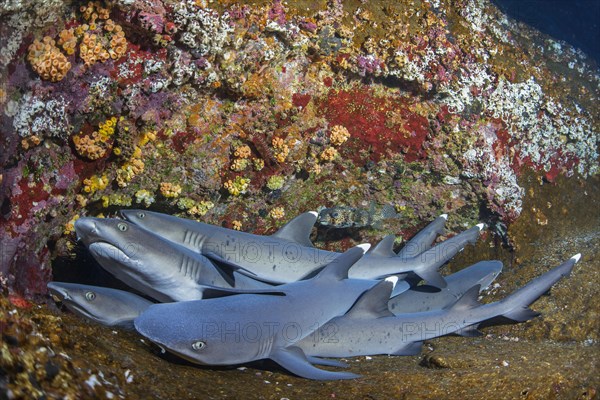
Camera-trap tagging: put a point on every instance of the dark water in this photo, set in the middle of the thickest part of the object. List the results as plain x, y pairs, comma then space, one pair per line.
574, 21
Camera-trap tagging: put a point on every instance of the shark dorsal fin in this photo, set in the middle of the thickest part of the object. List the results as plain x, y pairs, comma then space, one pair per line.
298, 229
385, 248
338, 268
373, 303
467, 301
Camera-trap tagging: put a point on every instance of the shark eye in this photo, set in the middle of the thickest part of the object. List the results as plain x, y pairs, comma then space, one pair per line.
199, 345
122, 227
141, 214
90, 296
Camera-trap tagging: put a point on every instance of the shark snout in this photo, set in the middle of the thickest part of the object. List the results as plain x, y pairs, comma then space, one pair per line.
58, 291
86, 228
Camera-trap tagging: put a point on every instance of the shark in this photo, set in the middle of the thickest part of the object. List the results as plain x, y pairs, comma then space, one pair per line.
156, 267
247, 327
288, 255
369, 328
426, 298
105, 306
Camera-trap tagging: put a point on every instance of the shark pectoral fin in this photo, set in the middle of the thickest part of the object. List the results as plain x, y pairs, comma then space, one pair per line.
521, 314
410, 349
373, 303
294, 360
298, 230
432, 277
469, 331
467, 301
385, 248
215, 257
326, 361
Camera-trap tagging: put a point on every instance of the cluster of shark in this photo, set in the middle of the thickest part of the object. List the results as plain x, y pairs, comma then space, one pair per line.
217, 296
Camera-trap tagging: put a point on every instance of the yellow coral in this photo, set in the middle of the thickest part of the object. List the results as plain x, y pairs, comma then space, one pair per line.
282, 150
96, 145
277, 213
258, 163
243, 151
338, 135
47, 60
238, 186
131, 168
95, 183
68, 40
237, 225
329, 154
70, 226
239, 164
169, 189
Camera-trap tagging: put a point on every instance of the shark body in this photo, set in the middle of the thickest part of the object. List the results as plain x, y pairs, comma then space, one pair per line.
288, 255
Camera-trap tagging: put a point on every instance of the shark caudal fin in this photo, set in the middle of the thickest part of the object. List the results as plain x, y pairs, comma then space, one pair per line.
338, 268
424, 239
518, 302
298, 229
428, 262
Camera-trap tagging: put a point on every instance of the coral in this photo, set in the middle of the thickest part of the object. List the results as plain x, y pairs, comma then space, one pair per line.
116, 199
237, 186
240, 164
282, 150
237, 225
338, 135
277, 213
329, 154
42, 117
47, 60
96, 144
242, 151
201, 29
144, 196
132, 167
67, 40
193, 207
258, 163
70, 226
275, 182
169, 189
95, 183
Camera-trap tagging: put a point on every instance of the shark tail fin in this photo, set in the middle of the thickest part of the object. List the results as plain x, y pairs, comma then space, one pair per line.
519, 301
338, 268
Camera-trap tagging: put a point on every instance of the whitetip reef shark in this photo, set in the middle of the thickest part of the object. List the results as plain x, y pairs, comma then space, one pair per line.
106, 306
369, 328
243, 328
111, 306
156, 267
288, 255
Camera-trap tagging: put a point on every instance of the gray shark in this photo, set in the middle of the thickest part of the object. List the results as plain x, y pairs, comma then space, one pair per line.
156, 267
288, 255
243, 328
106, 306
427, 298
370, 328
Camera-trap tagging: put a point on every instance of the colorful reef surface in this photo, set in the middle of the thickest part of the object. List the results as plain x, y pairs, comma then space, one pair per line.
245, 115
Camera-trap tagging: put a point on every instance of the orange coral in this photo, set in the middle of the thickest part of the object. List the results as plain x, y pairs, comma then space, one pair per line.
338, 135
47, 60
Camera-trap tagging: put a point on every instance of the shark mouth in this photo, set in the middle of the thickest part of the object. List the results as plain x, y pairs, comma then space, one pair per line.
108, 251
